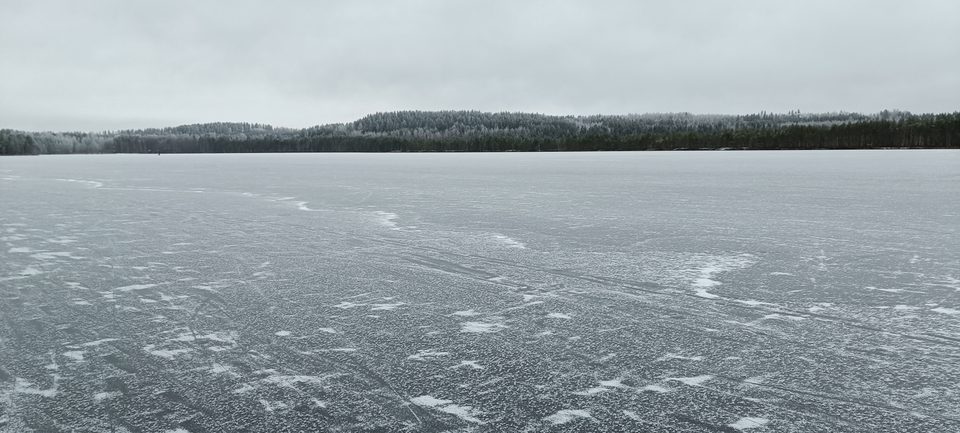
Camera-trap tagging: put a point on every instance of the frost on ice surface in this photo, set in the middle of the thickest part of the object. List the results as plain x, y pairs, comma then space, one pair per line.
566, 415
466, 413
749, 422
480, 327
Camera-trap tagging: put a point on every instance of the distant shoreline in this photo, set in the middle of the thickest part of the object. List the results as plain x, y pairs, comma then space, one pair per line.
473, 131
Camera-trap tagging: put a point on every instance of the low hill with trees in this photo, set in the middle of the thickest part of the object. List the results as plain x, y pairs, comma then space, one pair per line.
475, 131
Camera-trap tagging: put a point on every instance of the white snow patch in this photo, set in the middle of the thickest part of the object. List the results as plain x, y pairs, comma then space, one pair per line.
30, 271
481, 328
20, 250
384, 307
282, 333
558, 316
76, 355
24, 386
472, 364
302, 205
465, 313
466, 413
670, 356
510, 243
328, 330
655, 388
945, 310
81, 302
704, 294
346, 305
692, 381
135, 287
101, 396
632, 415
423, 355
387, 219
169, 354
748, 422
905, 307
567, 415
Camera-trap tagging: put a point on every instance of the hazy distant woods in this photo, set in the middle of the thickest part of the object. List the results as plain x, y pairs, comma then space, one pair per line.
474, 131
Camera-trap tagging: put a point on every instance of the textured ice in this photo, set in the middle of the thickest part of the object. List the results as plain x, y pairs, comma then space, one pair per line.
465, 313
466, 413
692, 381
133, 287
510, 243
749, 422
566, 415
480, 327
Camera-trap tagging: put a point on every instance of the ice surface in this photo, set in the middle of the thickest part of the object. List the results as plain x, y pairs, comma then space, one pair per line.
692, 381
481, 327
466, 413
749, 422
133, 287
717, 285
566, 415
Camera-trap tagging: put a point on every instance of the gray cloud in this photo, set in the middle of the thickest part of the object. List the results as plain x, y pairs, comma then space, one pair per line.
119, 64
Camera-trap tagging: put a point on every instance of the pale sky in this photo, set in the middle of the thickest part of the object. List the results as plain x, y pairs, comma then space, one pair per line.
106, 65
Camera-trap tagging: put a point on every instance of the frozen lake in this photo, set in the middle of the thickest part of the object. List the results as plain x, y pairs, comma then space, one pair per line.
662, 291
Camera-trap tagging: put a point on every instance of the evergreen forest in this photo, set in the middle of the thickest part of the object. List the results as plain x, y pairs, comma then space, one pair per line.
475, 131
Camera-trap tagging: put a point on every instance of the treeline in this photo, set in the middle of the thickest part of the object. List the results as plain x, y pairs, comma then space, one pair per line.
474, 131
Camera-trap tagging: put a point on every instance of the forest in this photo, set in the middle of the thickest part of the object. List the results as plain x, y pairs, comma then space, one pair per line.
475, 131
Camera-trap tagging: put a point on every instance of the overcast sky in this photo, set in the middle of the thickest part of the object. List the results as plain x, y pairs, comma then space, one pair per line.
103, 65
